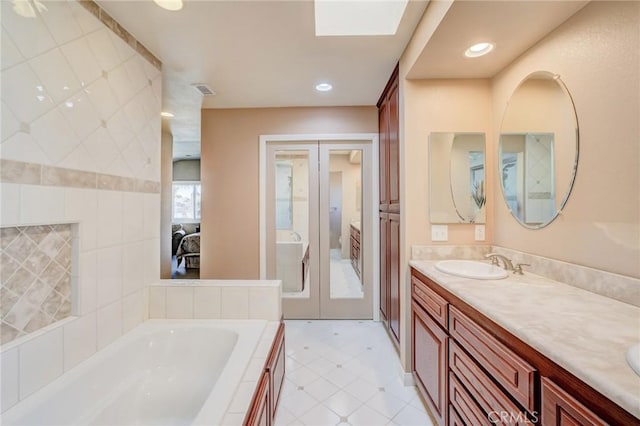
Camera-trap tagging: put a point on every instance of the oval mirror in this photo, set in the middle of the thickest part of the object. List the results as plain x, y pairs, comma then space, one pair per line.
538, 153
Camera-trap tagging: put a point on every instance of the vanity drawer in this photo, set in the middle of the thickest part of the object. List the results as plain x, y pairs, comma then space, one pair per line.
431, 301
512, 372
487, 394
466, 408
454, 418
561, 409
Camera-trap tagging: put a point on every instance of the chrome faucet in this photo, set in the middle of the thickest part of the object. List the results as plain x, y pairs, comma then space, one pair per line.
506, 263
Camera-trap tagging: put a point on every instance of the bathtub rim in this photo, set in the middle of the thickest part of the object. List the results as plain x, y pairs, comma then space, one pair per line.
217, 401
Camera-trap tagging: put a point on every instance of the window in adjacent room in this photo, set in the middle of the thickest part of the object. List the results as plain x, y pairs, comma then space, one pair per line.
186, 201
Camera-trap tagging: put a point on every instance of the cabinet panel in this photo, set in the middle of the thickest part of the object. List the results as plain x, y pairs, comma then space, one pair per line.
383, 152
389, 169
275, 368
394, 148
511, 371
489, 397
561, 409
465, 406
259, 412
454, 418
384, 265
394, 275
430, 362
435, 305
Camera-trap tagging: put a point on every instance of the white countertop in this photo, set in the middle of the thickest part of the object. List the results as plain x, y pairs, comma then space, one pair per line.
585, 333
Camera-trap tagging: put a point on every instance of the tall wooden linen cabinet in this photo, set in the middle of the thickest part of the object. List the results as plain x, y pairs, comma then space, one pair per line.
389, 155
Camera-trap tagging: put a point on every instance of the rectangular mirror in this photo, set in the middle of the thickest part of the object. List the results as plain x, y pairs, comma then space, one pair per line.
457, 177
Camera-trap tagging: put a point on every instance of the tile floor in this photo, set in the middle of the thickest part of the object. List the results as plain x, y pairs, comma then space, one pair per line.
345, 373
345, 283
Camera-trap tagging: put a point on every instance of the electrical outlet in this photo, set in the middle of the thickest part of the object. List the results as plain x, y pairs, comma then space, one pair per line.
479, 232
439, 232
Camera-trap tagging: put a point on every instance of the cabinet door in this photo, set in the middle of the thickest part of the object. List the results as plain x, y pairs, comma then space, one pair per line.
258, 414
276, 370
394, 275
561, 409
431, 362
383, 152
384, 265
394, 148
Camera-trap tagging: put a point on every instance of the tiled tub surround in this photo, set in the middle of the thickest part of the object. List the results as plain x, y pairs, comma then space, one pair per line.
80, 143
585, 333
31, 363
615, 286
221, 356
76, 96
214, 299
36, 277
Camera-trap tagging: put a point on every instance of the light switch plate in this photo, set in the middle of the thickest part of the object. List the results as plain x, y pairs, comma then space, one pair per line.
479, 232
439, 233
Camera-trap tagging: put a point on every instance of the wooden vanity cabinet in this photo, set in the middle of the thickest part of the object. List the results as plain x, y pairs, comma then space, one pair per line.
275, 369
430, 362
354, 249
493, 377
430, 348
561, 409
263, 407
259, 415
389, 173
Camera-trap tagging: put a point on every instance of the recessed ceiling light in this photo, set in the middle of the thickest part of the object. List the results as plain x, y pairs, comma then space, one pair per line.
479, 49
171, 5
323, 87
166, 114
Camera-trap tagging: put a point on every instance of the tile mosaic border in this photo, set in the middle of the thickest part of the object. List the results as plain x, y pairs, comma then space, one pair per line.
120, 31
19, 172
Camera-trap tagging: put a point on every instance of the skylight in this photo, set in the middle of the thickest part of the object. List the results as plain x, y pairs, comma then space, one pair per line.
358, 17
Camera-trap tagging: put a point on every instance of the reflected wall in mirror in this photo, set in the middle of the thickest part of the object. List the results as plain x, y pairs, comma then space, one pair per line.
292, 220
456, 178
538, 153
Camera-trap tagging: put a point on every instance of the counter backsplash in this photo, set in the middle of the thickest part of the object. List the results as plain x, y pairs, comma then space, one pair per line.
618, 287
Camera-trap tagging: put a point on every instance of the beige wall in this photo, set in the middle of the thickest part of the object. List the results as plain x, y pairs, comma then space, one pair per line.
434, 106
596, 53
229, 158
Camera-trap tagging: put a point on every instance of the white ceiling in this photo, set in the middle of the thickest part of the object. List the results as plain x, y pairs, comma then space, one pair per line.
258, 54
513, 26
264, 53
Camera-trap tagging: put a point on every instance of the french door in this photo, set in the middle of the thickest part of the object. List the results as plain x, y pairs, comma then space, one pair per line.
318, 235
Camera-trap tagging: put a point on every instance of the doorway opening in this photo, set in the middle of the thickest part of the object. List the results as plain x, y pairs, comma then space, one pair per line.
317, 216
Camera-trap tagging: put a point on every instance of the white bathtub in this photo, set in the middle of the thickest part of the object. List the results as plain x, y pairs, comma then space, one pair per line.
164, 372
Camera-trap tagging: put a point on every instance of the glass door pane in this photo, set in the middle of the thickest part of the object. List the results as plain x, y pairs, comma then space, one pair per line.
291, 218
292, 221
345, 220
345, 217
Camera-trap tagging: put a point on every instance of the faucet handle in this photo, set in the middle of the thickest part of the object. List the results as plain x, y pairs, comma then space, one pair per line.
493, 258
518, 268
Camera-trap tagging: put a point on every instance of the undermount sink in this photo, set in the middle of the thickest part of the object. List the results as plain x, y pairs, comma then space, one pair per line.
471, 269
633, 358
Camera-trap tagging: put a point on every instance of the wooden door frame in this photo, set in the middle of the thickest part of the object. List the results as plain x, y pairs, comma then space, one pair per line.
374, 207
